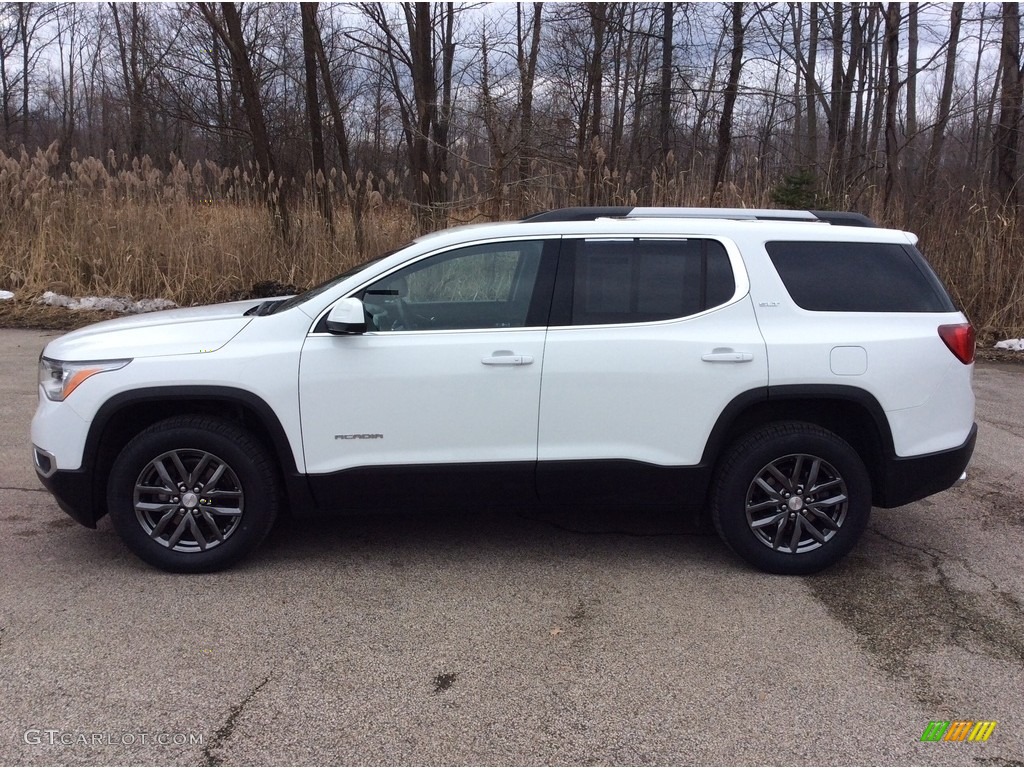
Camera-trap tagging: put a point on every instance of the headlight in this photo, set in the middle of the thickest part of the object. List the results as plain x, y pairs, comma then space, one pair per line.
59, 379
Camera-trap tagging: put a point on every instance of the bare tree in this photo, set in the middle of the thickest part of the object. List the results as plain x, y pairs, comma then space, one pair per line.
1007, 133
354, 183
129, 45
728, 104
68, 43
8, 81
845, 85
30, 19
912, 48
665, 106
426, 114
497, 129
945, 101
526, 58
228, 27
310, 36
577, 102
892, 92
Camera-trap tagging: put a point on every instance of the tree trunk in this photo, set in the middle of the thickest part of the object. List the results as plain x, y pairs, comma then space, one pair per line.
860, 140
892, 92
592, 145
911, 150
129, 58
976, 109
226, 142
877, 85
810, 83
623, 84
442, 122
945, 102
665, 107
639, 76
728, 105
5, 88
837, 86
230, 32
24, 9
912, 44
527, 77
764, 141
841, 97
68, 134
424, 86
498, 155
321, 190
354, 184
796, 15
1007, 134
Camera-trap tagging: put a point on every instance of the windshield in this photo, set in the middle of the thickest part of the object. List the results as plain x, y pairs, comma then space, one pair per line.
299, 298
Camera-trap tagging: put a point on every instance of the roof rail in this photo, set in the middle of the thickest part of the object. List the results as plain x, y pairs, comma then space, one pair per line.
845, 218
839, 218
581, 214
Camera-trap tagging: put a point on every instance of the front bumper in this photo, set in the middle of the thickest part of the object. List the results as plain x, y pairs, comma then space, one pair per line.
904, 480
72, 488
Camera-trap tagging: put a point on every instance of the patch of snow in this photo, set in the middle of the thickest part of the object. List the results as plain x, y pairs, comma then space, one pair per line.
1014, 345
110, 303
6, 295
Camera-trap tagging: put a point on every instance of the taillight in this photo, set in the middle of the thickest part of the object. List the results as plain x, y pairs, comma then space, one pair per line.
960, 340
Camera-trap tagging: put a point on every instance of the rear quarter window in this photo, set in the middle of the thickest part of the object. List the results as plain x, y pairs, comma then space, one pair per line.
858, 277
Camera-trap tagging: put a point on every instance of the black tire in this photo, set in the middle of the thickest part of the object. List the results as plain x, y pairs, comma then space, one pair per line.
182, 529
791, 498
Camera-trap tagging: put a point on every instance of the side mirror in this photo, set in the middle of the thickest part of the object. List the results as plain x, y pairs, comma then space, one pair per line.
347, 317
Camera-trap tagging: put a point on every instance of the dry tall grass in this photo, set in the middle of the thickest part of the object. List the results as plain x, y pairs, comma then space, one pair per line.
192, 236
127, 228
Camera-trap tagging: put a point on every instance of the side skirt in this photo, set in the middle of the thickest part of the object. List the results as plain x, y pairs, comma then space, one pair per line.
425, 486
605, 484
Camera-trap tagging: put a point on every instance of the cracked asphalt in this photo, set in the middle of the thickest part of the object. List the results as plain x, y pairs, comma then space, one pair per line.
493, 638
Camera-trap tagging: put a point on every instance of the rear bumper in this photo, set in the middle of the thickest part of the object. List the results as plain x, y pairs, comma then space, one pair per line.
904, 480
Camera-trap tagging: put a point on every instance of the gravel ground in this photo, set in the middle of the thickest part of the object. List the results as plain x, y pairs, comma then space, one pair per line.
492, 638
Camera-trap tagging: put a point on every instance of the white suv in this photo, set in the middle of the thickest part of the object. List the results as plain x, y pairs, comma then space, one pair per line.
783, 370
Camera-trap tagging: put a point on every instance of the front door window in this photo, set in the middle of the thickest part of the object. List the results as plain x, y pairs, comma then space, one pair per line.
482, 286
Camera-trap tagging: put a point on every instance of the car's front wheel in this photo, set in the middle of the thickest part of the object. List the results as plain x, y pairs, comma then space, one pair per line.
791, 498
193, 494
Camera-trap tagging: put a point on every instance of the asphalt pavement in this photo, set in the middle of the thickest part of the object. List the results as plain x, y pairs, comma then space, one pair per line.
498, 638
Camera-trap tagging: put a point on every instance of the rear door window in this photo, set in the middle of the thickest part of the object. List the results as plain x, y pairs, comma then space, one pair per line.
858, 277
638, 280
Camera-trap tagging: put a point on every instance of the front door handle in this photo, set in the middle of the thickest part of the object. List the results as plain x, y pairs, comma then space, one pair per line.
727, 356
507, 357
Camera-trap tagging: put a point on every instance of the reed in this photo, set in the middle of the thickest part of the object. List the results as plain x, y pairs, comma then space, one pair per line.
125, 227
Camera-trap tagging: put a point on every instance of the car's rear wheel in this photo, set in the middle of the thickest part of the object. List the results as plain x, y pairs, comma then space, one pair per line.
193, 494
791, 498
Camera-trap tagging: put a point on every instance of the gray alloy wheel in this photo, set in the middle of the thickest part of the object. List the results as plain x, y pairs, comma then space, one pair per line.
189, 500
193, 494
791, 497
796, 503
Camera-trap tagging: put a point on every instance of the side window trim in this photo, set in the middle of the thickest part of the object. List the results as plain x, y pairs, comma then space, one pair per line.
539, 313
704, 275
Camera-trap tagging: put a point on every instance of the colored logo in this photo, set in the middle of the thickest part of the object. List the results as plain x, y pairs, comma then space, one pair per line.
958, 730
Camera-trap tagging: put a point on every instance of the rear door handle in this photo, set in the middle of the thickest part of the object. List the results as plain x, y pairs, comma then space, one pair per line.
727, 356
507, 357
